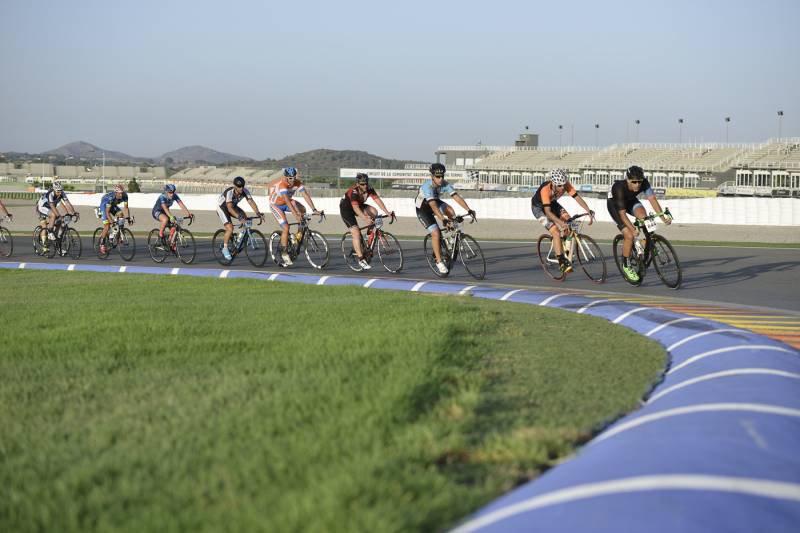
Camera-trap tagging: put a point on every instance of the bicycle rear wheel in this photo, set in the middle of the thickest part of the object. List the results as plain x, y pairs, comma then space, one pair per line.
664, 258
317, 251
472, 256
548, 259
185, 248
156, 248
71, 243
46, 248
430, 257
390, 252
349, 253
635, 262
216, 247
96, 244
6, 243
256, 248
591, 258
126, 245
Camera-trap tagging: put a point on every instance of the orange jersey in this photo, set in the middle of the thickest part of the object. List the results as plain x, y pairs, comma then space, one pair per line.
544, 196
282, 192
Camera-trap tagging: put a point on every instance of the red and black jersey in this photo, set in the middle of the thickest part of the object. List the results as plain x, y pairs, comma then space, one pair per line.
358, 198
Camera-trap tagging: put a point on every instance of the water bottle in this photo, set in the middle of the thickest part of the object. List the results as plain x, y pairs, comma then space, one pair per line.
239, 238
639, 245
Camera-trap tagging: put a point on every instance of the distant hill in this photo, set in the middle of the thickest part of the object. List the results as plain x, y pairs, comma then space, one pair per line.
325, 162
84, 150
200, 154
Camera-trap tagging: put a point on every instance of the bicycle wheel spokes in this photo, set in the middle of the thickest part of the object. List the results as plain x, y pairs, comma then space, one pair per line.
185, 248
156, 248
6, 243
71, 243
349, 254
96, 243
275, 248
666, 261
316, 250
390, 252
430, 257
216, 247
472, 256
635, 263
591, 258
126, 245
256, 248
547, 257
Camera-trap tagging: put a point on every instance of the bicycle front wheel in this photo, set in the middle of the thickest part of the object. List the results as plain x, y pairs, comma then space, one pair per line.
72, 241
471, 256
548, 259
96, 244
635, 262
126, 245
275, 248
390, 252
185, 247
256, 248
44, 248
430, 256
216, 246
156, 247
349, 253
317, 251
664, 258
6, 243
591, 258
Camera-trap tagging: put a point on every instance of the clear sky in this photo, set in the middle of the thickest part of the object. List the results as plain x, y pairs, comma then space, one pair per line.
266, 78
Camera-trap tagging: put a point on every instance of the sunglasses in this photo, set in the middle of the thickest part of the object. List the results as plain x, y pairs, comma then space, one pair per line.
636, 182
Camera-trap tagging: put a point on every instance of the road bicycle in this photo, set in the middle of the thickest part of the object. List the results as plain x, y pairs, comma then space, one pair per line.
179, 241
313, 243
379, 242
6, 240
118, 237
651, 248
65, 240
578, 247
456, 244
249, 240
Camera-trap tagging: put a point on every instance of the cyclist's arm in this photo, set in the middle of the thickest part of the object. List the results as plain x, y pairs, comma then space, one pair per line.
165, 209
234, 210
309, 200
623, 215
460, 201
254, 206
585, 206
185, 209
68, 207
381, 204
657, 206
435, 208
5, 211
357, 210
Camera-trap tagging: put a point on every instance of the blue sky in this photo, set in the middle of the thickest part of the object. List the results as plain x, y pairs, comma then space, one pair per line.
266, 79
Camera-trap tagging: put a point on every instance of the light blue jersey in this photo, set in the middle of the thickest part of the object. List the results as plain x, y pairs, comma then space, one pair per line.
428, 191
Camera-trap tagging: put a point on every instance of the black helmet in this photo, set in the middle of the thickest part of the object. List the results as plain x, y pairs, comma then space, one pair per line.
238, 181
362, 178
437, 169
635, 173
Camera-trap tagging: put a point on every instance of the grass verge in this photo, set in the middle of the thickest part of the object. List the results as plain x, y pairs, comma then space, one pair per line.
167, 403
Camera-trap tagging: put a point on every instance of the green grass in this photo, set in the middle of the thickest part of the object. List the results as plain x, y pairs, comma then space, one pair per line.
143, 403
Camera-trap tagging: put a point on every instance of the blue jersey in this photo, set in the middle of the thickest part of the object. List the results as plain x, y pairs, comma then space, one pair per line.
110, 199
428, 191
165, 199
49, 199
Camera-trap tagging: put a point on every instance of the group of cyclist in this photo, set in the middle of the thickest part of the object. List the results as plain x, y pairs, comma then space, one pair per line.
432, 211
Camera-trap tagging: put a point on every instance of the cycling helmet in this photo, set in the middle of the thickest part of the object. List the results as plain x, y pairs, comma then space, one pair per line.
57, 186
169, 187
558, 176
635, 173
290, 172
238, 181
362, 178
437, 169
118, 188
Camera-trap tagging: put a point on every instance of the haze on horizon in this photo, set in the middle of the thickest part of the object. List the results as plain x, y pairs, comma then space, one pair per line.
264, 79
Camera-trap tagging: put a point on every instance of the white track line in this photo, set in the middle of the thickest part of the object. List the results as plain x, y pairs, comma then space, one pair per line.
626, 314
779, 490
703, 334
553, 297
322, 280
465, 290
671, 322
418, 286
122, 269
727, 349
723, 374
224, 274
590, 304
175, 271
273, 277
22, 265
369, 283
71, 267
509, 294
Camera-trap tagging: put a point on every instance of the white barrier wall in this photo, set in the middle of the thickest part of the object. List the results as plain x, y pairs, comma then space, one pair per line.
727, 211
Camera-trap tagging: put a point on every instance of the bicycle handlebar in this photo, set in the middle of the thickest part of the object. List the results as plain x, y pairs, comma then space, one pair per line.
652, 216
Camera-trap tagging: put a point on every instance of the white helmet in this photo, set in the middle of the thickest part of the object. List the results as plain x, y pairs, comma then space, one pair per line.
57, 186
558, 176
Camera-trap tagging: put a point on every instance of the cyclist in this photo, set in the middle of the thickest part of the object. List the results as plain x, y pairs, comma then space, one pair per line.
281, 201
161, 209
5, 211
353, 205
552, 215
110, 209
623, 200
431, 208
47, 207
227, 207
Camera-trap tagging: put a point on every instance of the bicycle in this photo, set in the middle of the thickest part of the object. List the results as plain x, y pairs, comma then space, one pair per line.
456, 244
314, 244
653, 248
250, 240
67, 240
118, 237
6, 240
387, 246
589, 254
180, 242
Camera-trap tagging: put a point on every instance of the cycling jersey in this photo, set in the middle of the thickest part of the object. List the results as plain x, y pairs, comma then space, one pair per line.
621, 197
49, 198
165, 199
110, 199
357, 198
428, 191
282, 192
546, 196
229, 195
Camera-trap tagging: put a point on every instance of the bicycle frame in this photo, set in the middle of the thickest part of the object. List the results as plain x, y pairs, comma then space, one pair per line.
243, 237
295, 245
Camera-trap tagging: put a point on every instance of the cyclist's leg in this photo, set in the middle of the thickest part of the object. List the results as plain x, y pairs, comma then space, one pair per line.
225, 218
428, 221
163, 219
349, 219
105, 223
279, 212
